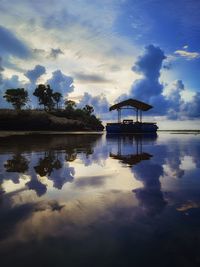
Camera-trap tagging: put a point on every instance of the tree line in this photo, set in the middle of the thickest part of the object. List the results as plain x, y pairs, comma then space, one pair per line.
46, 98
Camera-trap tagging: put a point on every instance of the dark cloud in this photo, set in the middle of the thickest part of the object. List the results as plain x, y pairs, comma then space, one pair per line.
61, 83
39, 52
34, 74
149, 88
11, 45
149, 65
55, 53
90, 78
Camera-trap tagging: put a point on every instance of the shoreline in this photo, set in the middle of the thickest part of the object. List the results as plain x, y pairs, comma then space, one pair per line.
5, 133
16, 133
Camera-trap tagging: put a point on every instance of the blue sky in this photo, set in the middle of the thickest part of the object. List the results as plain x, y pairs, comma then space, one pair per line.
96, 52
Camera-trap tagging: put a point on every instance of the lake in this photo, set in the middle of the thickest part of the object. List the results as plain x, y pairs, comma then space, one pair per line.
97, 200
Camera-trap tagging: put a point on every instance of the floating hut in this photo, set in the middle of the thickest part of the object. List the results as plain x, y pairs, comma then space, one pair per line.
129, 126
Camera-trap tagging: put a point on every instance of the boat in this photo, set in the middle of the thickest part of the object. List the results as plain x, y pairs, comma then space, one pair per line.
127, 125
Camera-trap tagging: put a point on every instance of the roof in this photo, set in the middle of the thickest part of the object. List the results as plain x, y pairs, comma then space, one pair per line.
133, 103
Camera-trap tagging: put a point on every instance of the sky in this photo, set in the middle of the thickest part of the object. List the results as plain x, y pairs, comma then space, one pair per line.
102, 51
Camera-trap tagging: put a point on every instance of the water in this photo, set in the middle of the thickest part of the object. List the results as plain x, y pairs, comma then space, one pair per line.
92, 200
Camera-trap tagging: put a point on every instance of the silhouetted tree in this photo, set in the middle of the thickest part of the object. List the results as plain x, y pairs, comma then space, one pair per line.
88, 109
17, 97
57, 97
70, 105
45, 96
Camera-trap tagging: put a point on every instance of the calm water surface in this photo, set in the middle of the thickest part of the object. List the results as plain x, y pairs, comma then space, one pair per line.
92, 200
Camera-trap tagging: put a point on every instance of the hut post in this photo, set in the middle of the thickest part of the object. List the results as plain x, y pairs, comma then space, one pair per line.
137, 115
140, 115
119, 115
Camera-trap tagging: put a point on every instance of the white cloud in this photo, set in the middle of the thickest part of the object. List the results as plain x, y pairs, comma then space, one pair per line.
186, 54
83, 31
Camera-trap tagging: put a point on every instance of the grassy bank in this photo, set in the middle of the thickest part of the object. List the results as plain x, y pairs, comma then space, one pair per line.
40, 120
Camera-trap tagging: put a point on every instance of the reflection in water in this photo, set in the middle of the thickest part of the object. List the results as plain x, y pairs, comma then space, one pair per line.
47, 164
139, 155
18, 163
150, 196
50, 162
107, 201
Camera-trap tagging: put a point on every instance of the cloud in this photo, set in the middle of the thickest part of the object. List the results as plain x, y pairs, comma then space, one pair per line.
62, 83
93, 181
148, 88
187, 55
34, 74
11, 45
1, 70
90, 78
192, 109
168, 102
55, 53
38, 52
174, 99
99, 102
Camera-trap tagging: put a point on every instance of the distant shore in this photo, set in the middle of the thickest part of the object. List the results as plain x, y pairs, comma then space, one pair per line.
40, 120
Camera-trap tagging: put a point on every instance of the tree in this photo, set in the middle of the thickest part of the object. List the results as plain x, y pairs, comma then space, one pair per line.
70, 108
70, 104
45, 96
17, 97
57, 97
88, 109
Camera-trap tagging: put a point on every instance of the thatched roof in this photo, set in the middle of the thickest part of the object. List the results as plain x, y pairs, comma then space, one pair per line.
133, 103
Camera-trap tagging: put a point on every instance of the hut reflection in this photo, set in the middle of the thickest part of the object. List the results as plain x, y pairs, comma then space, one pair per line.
130, 152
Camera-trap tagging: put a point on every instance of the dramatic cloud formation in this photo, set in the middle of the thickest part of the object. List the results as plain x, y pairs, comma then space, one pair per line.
148, 88
33, 75
11, 45
166, 101
61, 83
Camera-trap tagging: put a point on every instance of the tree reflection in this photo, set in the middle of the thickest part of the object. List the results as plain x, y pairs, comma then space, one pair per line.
47, 164
49, 156
52, 166
18, 163
71, 154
